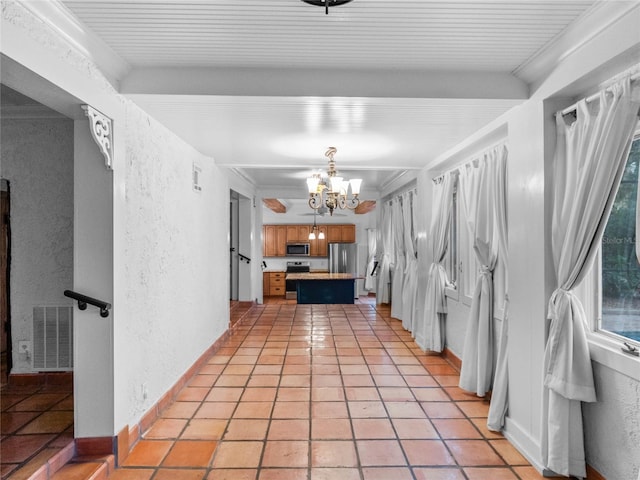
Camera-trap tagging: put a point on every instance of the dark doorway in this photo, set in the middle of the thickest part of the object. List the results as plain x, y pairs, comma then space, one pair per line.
5, 248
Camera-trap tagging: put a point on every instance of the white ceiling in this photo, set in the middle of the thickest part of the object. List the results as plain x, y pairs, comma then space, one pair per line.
493, 35
265, 86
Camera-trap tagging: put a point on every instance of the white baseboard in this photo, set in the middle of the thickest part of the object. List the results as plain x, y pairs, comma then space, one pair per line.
528, 446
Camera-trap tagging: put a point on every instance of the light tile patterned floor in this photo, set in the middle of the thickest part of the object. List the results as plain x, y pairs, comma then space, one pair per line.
323, 392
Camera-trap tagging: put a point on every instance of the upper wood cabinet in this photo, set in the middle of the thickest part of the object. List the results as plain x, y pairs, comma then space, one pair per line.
341, 233
348, 233
297, 233
281, 241
274, 240
276, 237
269, 240
319, 245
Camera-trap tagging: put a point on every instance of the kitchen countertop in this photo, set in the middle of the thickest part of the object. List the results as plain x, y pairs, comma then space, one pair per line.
322, 276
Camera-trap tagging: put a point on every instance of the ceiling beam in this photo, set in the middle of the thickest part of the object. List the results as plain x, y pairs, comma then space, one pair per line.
274, 205
288, 82
365, 207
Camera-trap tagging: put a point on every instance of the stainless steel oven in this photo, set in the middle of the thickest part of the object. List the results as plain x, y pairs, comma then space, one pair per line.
290, 285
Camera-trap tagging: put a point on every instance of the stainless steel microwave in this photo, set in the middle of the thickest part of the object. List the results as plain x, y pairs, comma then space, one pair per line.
298, 249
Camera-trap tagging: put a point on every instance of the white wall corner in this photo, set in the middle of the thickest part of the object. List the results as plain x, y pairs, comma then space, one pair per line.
524, 443
590, 24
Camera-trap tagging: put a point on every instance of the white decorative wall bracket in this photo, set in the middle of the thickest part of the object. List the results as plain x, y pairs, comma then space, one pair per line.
102, 132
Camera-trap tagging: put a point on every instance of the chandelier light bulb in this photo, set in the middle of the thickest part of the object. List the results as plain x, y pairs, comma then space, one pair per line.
355, 185
312, 183
336, 184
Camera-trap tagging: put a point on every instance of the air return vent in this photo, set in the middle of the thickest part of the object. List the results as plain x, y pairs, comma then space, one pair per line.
53, 338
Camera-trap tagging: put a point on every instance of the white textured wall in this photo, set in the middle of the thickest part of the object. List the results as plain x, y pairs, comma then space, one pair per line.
170, 244
612, 425
37, 159
177, 260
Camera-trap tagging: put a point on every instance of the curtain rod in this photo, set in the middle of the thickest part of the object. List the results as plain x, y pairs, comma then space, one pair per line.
437, 180
591, 98
469, 159
412, 185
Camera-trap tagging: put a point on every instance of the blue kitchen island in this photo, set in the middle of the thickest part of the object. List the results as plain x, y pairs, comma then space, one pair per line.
324, 287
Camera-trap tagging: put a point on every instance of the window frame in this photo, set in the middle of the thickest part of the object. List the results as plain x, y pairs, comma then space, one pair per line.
452, 289
468, 269
605, 347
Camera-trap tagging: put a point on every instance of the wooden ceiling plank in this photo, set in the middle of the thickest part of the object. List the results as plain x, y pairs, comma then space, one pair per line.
365, 207
274, 205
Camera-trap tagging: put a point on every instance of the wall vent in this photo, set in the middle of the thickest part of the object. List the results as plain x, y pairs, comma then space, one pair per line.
53, 338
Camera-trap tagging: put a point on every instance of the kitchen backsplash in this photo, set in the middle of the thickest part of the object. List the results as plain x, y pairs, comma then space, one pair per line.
280, 264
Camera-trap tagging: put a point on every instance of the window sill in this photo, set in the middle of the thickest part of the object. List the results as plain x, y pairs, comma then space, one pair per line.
607, 352
451, 292
467, 300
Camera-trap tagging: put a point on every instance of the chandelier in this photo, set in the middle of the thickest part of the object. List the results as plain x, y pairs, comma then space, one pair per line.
331, 190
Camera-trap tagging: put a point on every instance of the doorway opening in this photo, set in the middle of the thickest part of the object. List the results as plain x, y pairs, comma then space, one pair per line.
234, 245
5, 256
240, 246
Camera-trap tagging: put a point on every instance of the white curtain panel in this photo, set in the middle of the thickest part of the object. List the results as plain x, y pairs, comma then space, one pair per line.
397, 277
435, 310
369, 280
590, 157
384, 256
417, 297
483, 200
500, 394
411, 268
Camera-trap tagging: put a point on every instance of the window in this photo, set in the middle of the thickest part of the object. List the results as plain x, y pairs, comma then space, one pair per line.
469, 270
451, 257
619, 267
469, 263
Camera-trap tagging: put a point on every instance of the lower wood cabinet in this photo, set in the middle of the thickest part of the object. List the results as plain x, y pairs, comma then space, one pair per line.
273, 284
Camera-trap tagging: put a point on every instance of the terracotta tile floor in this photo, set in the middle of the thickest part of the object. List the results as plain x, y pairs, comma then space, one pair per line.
319, 392
309, 392
36, 423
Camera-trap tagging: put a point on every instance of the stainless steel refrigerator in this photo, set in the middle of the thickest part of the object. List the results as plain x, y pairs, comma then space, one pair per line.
343, 258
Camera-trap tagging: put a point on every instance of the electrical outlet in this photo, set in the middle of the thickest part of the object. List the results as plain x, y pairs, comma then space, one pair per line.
24, 347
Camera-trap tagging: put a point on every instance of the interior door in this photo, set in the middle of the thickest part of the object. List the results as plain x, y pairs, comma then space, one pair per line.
4, 287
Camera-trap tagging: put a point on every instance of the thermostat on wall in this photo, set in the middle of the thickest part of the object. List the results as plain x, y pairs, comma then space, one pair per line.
196, 178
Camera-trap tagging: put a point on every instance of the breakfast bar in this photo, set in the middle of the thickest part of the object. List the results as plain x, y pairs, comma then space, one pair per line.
324, 287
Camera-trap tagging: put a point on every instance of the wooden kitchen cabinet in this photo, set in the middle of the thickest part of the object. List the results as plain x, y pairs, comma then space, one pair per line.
265, 283
334, 233
274, 240
281, 241
276, 237
269, 241
297, 233
318, 246
341, 233
348, 233
276, 284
